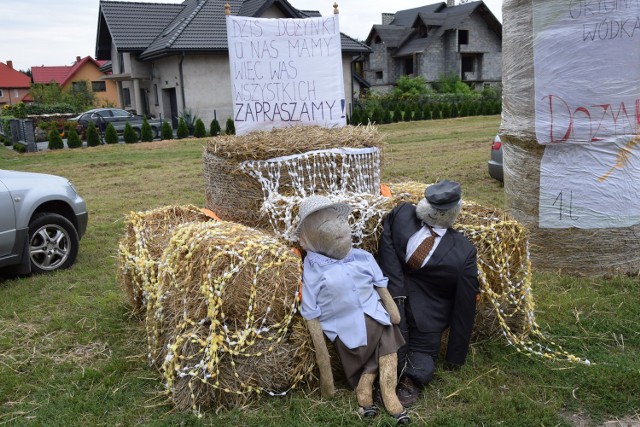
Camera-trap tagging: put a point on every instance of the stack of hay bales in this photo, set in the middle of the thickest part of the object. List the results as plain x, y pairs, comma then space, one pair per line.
220, 297
580, 251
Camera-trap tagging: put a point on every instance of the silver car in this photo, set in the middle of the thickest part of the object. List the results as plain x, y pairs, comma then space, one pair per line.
42, 219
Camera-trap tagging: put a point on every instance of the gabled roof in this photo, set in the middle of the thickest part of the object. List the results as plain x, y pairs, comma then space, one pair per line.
194, 26
438, 17
61, 74
391, 35
132, 26
10, 78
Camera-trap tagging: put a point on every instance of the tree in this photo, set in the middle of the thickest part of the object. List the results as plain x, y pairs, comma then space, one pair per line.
73, 140
397, 114
130, 135
452, 84
93, 138
406, 85
199, 131
111, 134
215, 128
147, 132
183, 130
55, 141
167, 132
230, 127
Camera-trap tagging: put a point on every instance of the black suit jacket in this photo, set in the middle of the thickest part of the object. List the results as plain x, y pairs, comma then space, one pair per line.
443, 292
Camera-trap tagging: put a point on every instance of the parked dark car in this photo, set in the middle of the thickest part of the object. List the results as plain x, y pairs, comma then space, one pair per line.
42, 219
495, 162
119, 118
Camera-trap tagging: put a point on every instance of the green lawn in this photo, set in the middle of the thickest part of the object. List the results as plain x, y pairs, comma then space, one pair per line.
72, 355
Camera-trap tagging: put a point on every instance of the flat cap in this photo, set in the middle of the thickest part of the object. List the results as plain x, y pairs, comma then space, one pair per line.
443, 195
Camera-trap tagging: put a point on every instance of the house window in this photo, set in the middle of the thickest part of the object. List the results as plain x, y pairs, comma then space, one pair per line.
16, 93
486, 85
1, 94
77, 86
121, 62
157, 97
463, 37
377, 40
379, 75
127, 96
99, 86
408, 66
467, 64
422, 31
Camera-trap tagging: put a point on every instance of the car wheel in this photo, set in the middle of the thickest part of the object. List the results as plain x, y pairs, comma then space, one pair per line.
139, 133
53, 243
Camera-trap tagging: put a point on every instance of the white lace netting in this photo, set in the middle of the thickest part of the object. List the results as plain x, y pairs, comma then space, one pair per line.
350, 175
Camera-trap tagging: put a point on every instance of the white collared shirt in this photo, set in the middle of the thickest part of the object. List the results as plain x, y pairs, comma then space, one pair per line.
418, 237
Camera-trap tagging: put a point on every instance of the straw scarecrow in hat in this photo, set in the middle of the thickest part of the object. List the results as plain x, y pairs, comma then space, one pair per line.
344, 297
433, 278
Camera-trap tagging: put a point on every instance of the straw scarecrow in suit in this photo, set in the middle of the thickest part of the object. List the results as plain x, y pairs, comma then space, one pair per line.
433, 279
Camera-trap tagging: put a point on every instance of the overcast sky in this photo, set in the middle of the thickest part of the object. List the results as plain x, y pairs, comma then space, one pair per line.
54, 32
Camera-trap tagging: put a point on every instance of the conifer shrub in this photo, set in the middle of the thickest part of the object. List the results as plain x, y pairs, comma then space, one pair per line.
146, 133
397, 114
407, 113
130, 135
198, 129
183, 129
446, 111
93, 139
376, 116
73, 139
230, 127
426, 112
386, 116
214, 128
417, 112
55, 140
167, 131
110, 134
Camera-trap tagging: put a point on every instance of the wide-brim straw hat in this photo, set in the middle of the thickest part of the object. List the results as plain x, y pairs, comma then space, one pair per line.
315, 203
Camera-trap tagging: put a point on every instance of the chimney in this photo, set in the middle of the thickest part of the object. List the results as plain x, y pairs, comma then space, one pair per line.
387, 18
451, 3
78, 59
10, 64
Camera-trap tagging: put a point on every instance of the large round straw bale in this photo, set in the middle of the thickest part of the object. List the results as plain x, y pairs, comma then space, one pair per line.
145, 238
593, 252
235, 195
229, 294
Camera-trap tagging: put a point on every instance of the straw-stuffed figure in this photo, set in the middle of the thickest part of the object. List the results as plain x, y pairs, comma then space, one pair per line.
344, 297
433, 276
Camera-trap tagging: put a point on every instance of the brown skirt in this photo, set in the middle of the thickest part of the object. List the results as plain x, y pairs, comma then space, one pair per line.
381, 340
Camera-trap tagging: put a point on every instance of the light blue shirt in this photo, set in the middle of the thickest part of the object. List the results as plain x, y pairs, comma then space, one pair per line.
341, 292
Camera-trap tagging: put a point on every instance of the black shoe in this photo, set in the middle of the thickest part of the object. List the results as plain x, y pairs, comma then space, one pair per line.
407, 391
368, 411
402, 419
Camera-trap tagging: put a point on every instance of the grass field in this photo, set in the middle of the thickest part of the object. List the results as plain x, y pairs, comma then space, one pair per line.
72, 355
